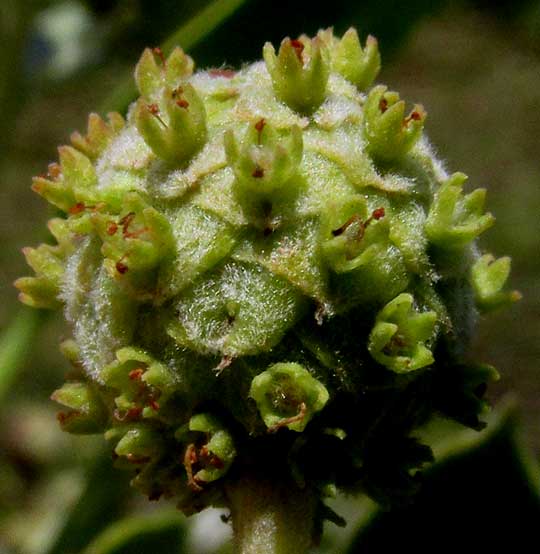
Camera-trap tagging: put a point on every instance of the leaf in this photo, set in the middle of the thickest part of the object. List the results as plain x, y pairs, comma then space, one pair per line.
15, 342
103, 497
146, 534
483, 493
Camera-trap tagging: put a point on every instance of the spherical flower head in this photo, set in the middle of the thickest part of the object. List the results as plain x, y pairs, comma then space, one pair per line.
266, 268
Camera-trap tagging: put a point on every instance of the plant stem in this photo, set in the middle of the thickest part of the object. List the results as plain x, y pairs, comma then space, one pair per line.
271, 516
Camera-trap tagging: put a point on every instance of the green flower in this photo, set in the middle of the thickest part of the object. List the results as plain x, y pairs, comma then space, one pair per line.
454, 220
287, 395
398, 338
488, 277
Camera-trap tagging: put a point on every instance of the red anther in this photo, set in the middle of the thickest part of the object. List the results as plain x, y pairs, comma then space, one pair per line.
154, 110
216, 461
340, 230
182, 103
64, 417
378, 213
289, 420
112, 227
126, 220
259, 126
121, 268
153, 404
298, 46
190, 458
413, 116
77, 208
159, 53
134, 413
192, 454
210, 458
383, 104
227, 73
225, 361
258, 172
136, 374
129, 415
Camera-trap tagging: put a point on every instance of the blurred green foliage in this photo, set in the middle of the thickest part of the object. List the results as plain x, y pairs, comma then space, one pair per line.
476, 68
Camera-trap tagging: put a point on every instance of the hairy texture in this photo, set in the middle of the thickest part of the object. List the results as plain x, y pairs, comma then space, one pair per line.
266, 268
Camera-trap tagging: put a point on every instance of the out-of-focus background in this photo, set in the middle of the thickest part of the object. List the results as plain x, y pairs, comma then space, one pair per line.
474, 66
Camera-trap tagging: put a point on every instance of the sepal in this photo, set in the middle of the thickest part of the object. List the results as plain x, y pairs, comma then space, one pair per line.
287, 395
398, 339
299, 72
99, 134
488, 277
145, 384
151, 76
87, 414
69, 184
42, 291
175, 127
358, 65
137, 443
390, 134
454, 219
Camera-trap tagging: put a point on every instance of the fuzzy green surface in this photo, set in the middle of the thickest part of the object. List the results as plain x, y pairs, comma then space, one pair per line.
282, 216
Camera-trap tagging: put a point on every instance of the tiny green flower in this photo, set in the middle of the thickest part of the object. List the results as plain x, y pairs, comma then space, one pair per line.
87, 413
299, 72
287, 395
398, 338
390, 134
210, 449
358, 65
488, 277
454, 220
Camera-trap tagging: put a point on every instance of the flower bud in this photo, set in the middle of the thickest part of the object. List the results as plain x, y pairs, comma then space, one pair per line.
390, 134
488, 277
287, 395
454, 219
398, 338
299, 72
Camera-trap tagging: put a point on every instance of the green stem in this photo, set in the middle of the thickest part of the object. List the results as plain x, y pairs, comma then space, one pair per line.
271, 516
